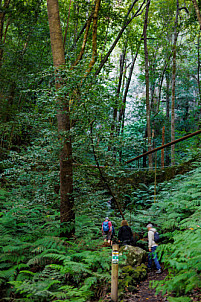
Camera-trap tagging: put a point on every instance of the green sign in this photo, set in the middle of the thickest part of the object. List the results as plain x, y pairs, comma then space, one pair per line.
115, 257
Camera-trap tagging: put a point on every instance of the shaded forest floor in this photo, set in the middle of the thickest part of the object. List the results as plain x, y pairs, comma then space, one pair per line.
145, 293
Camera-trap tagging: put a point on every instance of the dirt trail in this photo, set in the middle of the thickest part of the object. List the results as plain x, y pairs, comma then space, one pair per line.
145, 293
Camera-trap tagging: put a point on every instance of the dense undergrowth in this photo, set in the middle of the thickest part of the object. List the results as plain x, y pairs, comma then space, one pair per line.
37, 265
178, 213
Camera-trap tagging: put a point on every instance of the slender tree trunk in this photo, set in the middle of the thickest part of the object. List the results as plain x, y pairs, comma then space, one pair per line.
94, 36
120, 127
167, 151
122, 60
197, 11
67, 216
84, 42
152, 83
67, 24
144, 162
126, 23
123, 108
198, 70
167, 96
131, 72
161, 83
123, 105
2, 20
76, 35
174, 66
148, 111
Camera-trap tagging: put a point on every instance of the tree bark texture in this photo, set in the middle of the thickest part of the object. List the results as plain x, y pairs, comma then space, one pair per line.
167, 76
67, 216
197, 11
198, 70
2, 20
174, 67
121, 86
162, 151
94, 38
148, 111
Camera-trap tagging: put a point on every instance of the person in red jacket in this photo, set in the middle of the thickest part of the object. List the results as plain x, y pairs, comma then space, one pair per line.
107, 230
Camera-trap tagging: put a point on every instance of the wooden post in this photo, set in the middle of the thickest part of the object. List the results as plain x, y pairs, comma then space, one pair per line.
114, 279
162, 151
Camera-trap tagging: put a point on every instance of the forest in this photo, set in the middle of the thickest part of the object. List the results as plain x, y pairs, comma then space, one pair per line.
100, 106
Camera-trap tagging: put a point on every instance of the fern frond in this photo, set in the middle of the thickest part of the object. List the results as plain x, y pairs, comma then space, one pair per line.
180, 299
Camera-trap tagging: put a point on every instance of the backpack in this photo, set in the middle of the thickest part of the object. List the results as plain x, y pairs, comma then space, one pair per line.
105, 226
156, 237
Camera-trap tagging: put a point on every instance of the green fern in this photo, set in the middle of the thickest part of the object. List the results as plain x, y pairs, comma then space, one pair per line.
181, 211
180, 299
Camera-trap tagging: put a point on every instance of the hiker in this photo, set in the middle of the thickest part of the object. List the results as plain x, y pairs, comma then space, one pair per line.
125, 235
152, 245
107, 230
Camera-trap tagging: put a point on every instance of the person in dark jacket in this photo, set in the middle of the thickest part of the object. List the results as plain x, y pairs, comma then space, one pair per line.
125, 235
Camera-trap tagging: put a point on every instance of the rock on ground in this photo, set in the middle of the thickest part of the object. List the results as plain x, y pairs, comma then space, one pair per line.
134, 255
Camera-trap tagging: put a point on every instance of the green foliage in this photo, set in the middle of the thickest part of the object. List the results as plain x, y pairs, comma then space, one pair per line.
180, 299
178, 212
40, 266
33, 258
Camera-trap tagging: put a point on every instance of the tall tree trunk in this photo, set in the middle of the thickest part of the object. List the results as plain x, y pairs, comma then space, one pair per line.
152, 83
198, 70
67, 24
2, 20
67, 215
167, 96
122, 59
174, 66
197, 11
167, 152
144, 162
94, 36
161, 83
131, 72
122, 83
123, 108
148, 111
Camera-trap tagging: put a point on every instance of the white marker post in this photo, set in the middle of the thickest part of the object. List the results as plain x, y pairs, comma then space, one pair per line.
114, 280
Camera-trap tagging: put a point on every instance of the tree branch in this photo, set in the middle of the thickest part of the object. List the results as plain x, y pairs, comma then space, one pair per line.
94, 37
126, 23
84, 42
67, 23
